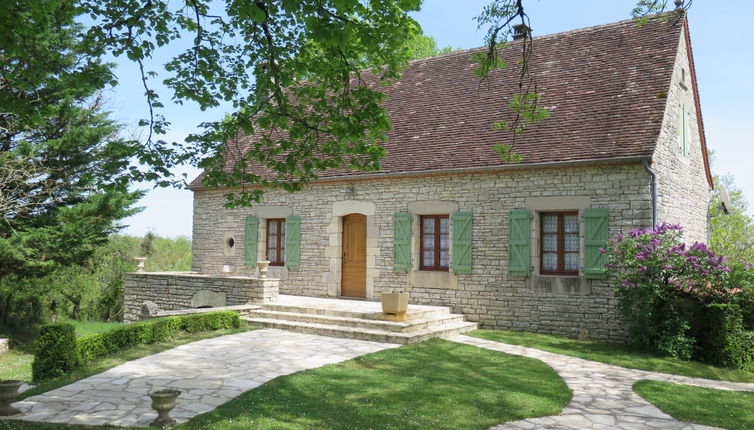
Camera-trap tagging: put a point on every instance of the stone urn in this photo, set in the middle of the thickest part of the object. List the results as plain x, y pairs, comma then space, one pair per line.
395, 304
163, 401
140, 264
8, 394
263, 267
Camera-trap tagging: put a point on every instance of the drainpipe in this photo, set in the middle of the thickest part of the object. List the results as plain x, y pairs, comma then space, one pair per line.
653, 175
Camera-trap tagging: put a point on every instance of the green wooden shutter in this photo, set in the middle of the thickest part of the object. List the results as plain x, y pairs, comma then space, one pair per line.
402, 243
595, 237
683, 132
519, 260
250, 247
293, 242
461, 242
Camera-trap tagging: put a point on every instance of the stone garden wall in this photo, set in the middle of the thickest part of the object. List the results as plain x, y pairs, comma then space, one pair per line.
172, 291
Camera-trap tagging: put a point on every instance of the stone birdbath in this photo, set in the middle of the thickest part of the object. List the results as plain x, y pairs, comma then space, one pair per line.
163, 401
8, 394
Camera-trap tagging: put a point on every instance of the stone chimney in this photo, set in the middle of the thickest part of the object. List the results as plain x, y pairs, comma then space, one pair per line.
521, 31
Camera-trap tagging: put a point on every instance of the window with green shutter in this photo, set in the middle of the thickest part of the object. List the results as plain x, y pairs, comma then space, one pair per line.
250, 246
293, 242
683, 130
462, 240
402, 243
595, 238
519, 222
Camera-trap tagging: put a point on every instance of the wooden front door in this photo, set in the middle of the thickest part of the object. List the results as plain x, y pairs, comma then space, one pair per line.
354, 280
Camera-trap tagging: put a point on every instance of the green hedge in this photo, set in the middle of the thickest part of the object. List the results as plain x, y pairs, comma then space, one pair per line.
54, 352
58, 350
723, 341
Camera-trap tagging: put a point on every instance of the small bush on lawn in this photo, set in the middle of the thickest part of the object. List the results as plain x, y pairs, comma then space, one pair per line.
93, 346
54, 352
665, 288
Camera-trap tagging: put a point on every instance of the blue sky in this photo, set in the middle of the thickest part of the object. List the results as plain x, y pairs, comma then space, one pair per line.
722, 39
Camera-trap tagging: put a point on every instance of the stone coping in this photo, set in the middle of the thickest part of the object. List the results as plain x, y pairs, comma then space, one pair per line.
203, 275
204, 310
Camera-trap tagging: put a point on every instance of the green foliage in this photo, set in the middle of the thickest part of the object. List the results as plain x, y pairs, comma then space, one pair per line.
423, 46
731, 234
722, 340
70, 352
55, 352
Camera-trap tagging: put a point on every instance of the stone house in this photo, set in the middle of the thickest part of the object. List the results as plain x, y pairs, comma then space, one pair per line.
510, 245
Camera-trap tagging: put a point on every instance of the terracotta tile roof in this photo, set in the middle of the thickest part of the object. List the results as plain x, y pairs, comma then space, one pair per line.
604, 87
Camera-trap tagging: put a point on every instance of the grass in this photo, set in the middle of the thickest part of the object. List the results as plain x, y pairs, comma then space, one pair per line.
435, 384
615, 354
84, 328
15, 365
707, 406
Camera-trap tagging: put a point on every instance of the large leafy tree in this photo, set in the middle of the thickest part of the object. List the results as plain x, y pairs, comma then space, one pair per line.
731, 234
302, 77
63, 168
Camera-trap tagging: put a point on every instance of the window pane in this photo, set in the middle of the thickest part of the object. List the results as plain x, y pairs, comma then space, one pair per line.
273, 226
444, 242
428, 242
572, 262
550, 242
428, 258
550, 224
571, 223
428, 225
282, 228
550, 261
444, 225
444, 258
572, 242
272, 242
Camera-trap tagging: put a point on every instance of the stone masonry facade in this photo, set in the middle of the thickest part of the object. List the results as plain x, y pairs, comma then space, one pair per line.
683, 190
550, 304
568, 305
176, 291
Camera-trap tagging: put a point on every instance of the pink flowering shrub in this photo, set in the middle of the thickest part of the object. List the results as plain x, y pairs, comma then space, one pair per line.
664, 284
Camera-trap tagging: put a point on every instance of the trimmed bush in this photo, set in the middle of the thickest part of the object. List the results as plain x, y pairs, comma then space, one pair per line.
55, 352
59, 351
210, 321
722, 339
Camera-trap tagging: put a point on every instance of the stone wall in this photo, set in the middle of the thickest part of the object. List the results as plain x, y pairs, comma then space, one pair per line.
565, 305
4, 345
683, 190
184, 290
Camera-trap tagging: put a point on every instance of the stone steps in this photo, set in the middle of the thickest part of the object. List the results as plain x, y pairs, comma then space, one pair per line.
357, 319
365, 334
437, 321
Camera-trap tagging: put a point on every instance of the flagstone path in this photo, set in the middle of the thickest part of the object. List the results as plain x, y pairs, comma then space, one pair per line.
208, 372
603, 397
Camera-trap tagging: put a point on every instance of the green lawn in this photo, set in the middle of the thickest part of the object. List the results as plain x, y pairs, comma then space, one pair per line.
90, 327
616, 354
432, 385
717, 408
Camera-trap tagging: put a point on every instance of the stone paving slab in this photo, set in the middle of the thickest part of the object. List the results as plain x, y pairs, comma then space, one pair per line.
603, 397
208, 372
